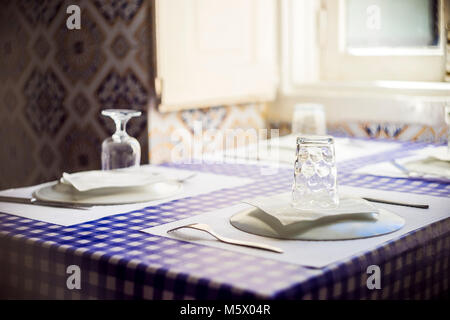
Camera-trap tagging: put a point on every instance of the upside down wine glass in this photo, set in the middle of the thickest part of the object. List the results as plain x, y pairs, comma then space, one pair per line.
120, 150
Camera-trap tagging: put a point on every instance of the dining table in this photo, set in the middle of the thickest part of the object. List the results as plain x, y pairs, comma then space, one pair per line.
119, 261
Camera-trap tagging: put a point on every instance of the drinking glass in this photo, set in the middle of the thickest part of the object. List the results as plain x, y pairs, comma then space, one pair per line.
309, 118
120, 150
315, 177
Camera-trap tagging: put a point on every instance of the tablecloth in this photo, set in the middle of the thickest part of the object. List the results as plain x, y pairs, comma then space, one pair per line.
117, 261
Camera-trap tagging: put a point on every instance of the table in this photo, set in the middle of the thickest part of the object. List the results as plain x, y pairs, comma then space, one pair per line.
117, 261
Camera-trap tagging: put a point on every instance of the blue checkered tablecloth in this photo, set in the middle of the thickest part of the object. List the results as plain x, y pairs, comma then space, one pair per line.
117, 261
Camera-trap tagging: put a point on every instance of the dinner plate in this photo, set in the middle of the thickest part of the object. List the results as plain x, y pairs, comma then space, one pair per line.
253, 220
64, 193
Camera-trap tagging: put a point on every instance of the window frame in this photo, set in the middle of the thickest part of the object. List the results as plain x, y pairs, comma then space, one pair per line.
302, 71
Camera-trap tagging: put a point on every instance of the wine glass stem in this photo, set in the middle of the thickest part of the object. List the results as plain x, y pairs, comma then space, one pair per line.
121, 125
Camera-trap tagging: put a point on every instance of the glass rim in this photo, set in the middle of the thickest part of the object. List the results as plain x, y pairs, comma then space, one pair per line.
315, 139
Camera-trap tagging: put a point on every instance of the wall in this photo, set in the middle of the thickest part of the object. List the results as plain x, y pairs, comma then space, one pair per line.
54, 83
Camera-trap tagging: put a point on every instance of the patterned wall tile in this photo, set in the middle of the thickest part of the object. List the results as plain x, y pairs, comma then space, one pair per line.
120, 46
398, 131
144, 52
14, 53
17, 153
39, 11
81, 147
112, 10
47, 155
79, 53
210, 118
41, 47
168, 130
122, 91
50, 76
10, 102
45, 109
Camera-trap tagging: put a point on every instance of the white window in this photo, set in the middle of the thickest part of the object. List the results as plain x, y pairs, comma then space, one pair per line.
363, 40
366, 40
380, 60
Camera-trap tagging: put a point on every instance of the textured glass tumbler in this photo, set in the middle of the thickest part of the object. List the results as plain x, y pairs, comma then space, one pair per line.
120, 150
315, 176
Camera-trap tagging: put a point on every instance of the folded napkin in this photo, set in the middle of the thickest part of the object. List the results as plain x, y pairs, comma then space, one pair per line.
430, 163
440, 153
120, 178
279, 207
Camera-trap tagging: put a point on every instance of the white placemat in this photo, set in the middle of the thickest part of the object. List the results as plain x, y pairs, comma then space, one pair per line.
422, 161
200, 184
314, 254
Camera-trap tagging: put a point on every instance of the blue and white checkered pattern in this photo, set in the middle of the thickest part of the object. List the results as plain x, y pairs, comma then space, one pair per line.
118, 261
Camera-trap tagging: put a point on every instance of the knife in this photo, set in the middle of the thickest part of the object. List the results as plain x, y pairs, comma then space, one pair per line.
396, 203
44, 203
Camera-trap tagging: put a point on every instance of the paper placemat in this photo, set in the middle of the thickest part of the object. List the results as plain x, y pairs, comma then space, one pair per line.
199, 184
316, 254
431, 168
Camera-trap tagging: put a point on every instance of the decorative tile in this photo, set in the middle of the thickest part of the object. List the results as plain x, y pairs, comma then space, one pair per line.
44, 107
210, 118
403, 132
161, 134
39, 11
81, 147
14, 55
80, 105
120, 46
79, 53
50, 100
46, 155
163, 127
125, 91
383, 130
247, 116
425, 134
143, 36
10, 101
41, 47
113, 9
17, 154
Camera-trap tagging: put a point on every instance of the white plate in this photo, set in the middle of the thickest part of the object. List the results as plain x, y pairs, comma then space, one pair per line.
253, 221
67, 194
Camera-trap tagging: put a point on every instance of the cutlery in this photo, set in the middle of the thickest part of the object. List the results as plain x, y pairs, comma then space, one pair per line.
206, 228
420, 206
187, 178
46, 203
409, 173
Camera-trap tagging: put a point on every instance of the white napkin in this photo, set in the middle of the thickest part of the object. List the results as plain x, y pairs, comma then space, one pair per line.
279, 207
440, 153
120, 178
429, 163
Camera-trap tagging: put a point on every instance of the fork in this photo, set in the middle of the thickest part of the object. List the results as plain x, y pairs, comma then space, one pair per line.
206, 228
